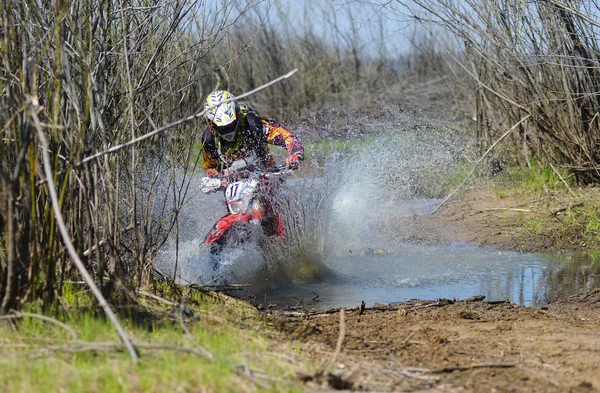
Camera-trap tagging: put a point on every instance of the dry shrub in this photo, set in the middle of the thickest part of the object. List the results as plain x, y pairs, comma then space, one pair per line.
326, 72
538, 62
90, 76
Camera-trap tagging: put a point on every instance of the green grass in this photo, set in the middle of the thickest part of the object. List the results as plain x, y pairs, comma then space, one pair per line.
539, 178
501, 193
532, 225
593, 225
41, 357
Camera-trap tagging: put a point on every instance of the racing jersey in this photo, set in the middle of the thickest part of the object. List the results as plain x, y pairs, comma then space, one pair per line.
254, 134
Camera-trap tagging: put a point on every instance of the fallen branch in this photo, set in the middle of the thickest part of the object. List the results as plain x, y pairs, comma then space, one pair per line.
473, 299
110, 346
497, 302
333, 310
438, 303
175, 348
229, 286
472, 367
442, 302
219, 287
508, 209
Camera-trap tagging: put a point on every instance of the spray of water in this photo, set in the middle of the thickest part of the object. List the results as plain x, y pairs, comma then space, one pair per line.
338, 214
261, 262
341, 203
399, 173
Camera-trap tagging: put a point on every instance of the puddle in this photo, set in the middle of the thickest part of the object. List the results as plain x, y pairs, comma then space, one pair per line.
445, 272
354, 272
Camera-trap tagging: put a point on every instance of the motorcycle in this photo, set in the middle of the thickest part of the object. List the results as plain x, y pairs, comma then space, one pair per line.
248, 195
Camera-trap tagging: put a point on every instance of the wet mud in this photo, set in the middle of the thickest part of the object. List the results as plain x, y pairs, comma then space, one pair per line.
451, 346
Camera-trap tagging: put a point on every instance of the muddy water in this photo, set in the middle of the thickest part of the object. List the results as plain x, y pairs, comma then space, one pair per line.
368, 265
458, 271
344, 249
359, 260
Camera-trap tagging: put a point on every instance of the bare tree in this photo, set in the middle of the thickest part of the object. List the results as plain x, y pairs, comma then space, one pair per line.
539, 59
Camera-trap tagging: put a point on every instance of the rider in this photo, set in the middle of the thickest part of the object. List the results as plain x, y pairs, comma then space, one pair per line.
235, 131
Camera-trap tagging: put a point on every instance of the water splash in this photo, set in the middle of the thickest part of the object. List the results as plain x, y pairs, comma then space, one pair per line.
263, 263
339, 201
338, 213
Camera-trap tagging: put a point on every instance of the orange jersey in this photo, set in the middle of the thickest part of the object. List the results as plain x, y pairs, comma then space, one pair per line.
254, 135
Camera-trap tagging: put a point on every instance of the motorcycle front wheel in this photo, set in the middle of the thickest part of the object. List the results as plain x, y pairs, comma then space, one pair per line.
239, 233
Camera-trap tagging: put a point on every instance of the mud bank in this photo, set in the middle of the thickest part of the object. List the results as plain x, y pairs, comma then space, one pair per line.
451, 346
492, 215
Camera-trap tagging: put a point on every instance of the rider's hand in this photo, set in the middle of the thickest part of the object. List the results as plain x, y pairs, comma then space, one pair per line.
293, 161
210, 172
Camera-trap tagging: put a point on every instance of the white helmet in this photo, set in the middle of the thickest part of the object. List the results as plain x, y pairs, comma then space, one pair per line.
220, 113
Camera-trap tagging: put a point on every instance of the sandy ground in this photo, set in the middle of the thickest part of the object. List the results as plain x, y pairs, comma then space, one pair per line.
466, 345
441, 346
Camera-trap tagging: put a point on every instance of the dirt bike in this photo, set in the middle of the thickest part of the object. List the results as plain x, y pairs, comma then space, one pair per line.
248, 194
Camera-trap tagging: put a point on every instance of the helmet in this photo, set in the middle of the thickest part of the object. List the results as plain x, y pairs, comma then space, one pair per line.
222, 115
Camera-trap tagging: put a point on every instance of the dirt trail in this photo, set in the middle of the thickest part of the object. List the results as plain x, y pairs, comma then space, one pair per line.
465, 346
507, 219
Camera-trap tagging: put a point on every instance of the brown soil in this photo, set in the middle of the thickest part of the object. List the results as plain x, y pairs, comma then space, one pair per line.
512, 220
467, 345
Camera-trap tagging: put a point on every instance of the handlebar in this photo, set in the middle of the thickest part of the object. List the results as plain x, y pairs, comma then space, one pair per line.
213, 184
277, 168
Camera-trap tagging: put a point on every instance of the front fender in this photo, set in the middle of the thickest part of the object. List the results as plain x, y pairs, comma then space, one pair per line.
224, 223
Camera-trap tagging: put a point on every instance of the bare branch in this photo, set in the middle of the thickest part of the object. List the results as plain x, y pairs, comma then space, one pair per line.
17, 314
479, 161
69, 244
178, 122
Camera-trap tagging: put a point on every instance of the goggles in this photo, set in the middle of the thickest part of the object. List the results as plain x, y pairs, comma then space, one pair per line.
227, 132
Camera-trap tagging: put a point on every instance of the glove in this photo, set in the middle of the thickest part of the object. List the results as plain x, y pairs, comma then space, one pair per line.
225, 173
293, 161
211, 172
210, 184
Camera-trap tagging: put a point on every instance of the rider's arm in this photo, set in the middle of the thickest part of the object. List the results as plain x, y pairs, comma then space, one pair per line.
210, 162
282, 137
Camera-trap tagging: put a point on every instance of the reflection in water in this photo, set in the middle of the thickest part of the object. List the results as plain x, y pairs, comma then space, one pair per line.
525, 279
570, 274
